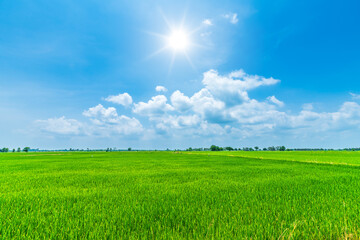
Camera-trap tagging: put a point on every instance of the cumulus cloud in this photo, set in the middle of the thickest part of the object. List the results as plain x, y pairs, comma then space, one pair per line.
234, 86
255, 112
207, 22
161, 89
221, 108
233, 17
207, 106
224, 99
99, 112
60, 125
348, 116
108, 119
103, 122
123, 99
202, 103
157, 105
225, 105
180, 102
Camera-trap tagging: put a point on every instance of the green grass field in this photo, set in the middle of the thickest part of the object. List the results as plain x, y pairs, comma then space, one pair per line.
167, 195
326, 157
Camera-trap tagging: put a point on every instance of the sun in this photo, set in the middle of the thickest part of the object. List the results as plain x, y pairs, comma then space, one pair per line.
178, 40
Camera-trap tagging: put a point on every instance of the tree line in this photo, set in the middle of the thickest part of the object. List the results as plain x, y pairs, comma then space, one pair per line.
256, 148
25, 149
211, 148
271, 148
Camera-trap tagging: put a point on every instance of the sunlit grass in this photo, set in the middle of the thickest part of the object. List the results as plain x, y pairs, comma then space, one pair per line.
328, 157
166, 195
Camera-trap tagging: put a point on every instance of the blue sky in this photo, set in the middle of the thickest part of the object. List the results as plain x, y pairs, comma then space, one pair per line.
84, 74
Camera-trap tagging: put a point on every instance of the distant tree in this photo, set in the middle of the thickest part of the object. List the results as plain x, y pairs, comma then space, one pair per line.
26, 149
229, 148
271, 148
215, 148
256, 148
19, 150
13, 150
282, 148
129, 149
4, 149
265, 149
189, 149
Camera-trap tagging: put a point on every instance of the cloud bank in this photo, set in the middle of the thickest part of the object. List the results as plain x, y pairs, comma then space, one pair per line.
221, 109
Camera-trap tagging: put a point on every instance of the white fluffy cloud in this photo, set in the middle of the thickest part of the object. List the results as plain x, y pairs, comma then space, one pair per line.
348, 116
107, 120
224, 104
60, 125
123, 99
222, 108
161, 89
100, 112
180, 102
202, 103
103, 122
234, 86
207, 106
157, 105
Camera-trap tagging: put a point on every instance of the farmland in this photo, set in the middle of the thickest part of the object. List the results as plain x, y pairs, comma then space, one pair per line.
180, 195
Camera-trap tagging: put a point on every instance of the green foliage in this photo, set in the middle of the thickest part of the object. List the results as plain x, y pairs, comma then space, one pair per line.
26, 149
229, 149
216, 148
4, 149
280, 148
171, 195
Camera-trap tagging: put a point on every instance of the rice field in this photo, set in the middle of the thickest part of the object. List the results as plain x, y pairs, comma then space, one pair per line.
180, 195
326, 157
